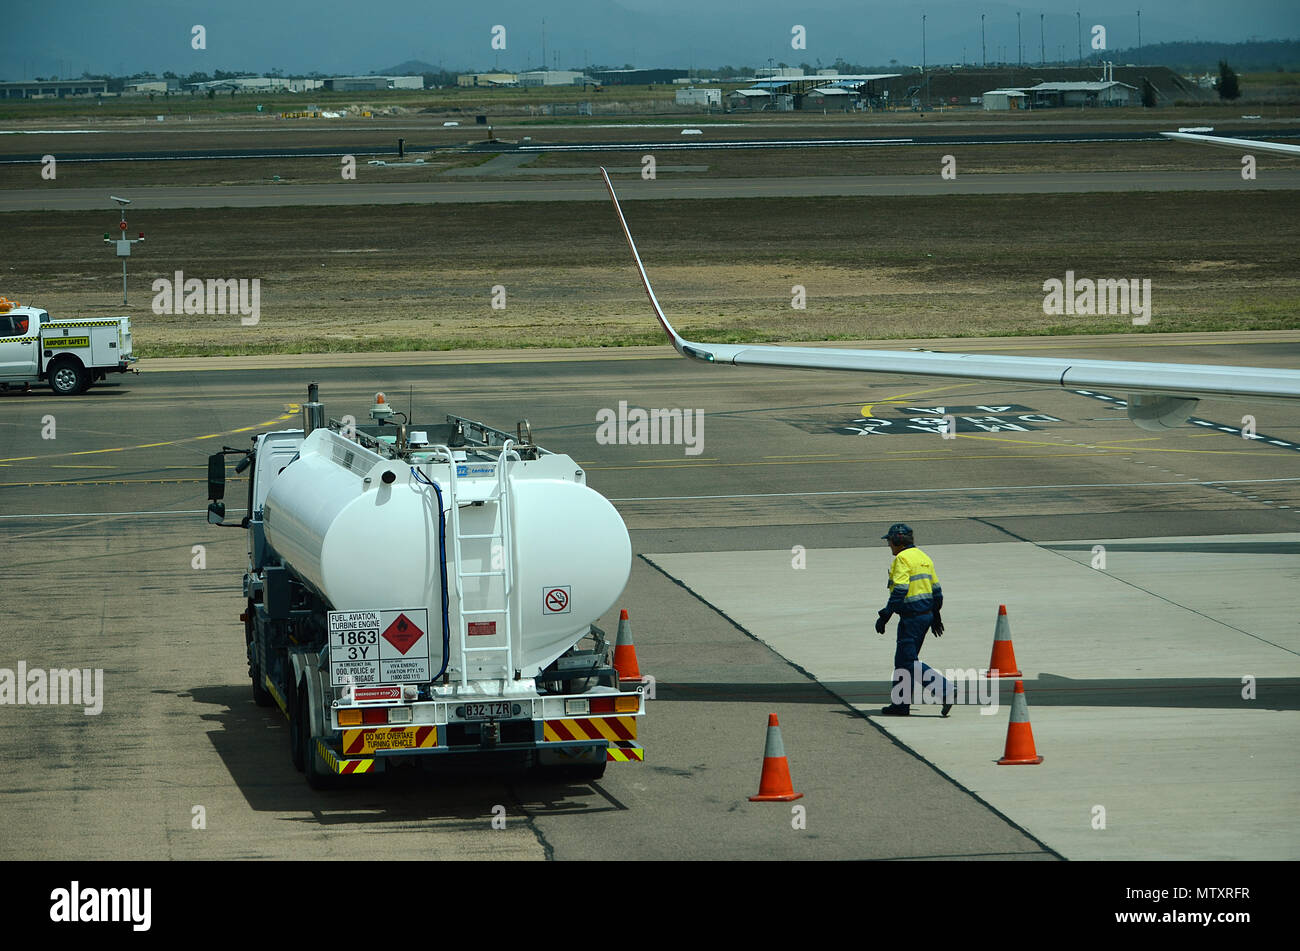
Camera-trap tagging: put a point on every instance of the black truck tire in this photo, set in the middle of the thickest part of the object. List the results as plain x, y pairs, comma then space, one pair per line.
68, 377
306, 757
261, 696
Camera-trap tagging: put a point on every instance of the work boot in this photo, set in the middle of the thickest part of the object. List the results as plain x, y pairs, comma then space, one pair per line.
895, 711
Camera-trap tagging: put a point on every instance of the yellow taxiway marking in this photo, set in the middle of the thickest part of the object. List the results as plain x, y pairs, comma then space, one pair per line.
906, 397
292, 408
1115, 442
1198, 452
1017, 442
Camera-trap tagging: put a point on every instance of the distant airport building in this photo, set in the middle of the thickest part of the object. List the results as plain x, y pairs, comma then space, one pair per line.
143, 87
748, 100
487, 79
1001, 99
865, 83
634, 77
53, 88
829, 98
551, 77
258, 84
367, 83
1111, 93
699, 97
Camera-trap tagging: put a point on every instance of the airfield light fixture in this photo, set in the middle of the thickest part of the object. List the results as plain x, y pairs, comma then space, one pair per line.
122, 242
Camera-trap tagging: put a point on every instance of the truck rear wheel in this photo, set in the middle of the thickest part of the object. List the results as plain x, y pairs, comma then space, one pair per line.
297, 707
261, 696
319, 775
68, 378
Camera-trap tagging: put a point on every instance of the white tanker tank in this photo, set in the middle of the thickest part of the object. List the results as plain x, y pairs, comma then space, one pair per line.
536, 555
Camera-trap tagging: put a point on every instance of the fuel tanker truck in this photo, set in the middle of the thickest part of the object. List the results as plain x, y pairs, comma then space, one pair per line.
417, 594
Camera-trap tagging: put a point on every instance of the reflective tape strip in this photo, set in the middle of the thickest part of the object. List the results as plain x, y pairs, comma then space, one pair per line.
590, 728
344, 767
389, 738
774, 748
624, 752
275, 695
1019, 708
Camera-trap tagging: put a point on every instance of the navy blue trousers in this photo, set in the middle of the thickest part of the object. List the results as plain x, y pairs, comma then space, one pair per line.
909, 669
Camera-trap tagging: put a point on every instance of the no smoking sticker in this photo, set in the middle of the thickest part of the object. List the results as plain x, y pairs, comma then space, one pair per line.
555, 600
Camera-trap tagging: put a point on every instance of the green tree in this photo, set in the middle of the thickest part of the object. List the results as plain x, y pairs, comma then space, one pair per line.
1227, 85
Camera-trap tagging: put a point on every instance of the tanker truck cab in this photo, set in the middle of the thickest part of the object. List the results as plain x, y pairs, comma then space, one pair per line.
67, 354
416, 593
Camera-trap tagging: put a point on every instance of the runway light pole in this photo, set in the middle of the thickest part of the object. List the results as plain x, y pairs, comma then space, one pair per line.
1078, 18
984, 56
122, 241
1042, 43
927, 85
1020, 47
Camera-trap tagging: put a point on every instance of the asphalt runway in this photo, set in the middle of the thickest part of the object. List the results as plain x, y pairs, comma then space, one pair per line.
112, 507
365, 191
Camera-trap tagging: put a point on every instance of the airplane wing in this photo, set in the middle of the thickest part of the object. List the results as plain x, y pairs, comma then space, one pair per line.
1240, 145
1160, 395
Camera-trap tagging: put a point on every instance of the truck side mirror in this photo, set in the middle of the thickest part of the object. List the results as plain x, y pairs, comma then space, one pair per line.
216, 476
216, 513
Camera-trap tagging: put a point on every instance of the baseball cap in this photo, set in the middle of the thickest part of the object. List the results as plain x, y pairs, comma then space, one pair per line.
897, 529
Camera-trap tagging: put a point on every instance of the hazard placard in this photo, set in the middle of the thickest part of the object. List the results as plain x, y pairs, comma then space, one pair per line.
379, 647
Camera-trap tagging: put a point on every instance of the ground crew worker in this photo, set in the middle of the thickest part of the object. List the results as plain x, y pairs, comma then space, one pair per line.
916, 597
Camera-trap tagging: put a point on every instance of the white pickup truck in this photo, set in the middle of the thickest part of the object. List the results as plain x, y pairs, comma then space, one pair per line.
67, 354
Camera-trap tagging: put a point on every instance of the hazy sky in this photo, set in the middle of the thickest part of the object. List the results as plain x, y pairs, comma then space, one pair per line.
67, 37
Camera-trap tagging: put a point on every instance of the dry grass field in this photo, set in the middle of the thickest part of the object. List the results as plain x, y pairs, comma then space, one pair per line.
421, 277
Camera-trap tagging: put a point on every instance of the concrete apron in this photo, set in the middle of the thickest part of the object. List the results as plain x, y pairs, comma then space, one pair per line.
1134, 675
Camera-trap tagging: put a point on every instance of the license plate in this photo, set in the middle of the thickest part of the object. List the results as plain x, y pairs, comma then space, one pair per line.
487, 711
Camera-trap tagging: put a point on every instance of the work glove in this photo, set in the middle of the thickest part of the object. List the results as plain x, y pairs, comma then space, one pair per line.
937, 626
881, 621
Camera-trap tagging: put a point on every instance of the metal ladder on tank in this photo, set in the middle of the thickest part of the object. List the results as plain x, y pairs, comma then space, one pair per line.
501, 495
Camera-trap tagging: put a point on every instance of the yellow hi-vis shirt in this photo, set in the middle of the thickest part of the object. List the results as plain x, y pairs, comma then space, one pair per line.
913, 584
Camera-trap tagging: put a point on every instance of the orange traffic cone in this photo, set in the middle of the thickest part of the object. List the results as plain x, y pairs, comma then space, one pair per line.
1020, 737
625, 651
774, 785
1003, 661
